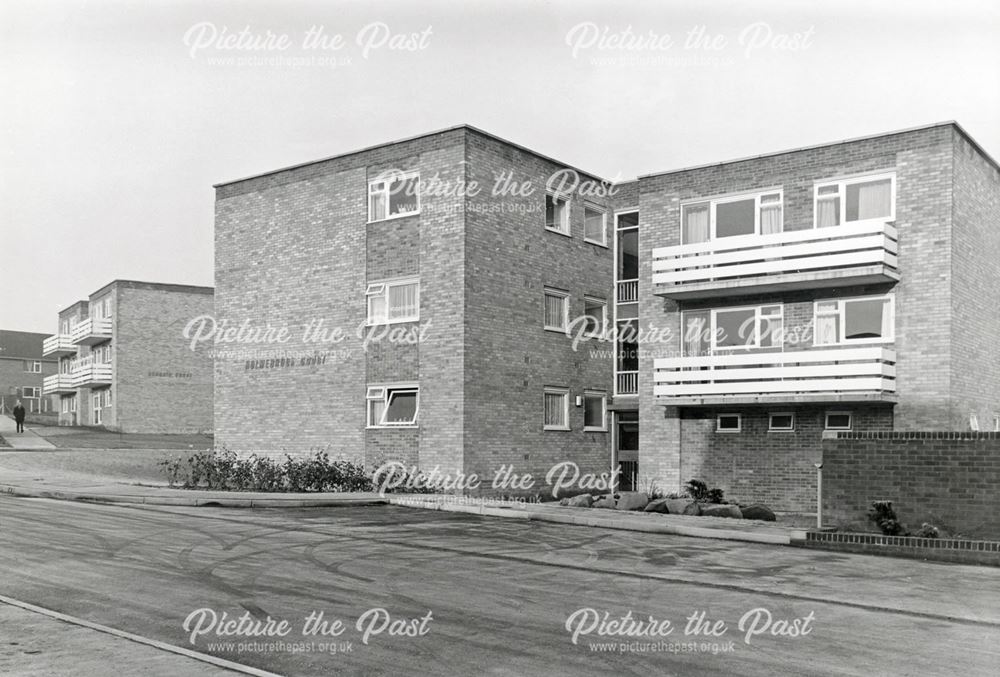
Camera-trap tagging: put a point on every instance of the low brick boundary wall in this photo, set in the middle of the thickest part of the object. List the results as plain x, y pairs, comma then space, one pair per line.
947, 479
939, 549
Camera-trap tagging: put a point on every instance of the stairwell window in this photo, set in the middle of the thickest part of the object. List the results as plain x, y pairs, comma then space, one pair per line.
866, 319
855, 199
596, 313
730, 216
392, 405
595, 225
556, 311
391, 301
393, 194
557, 214
556, 409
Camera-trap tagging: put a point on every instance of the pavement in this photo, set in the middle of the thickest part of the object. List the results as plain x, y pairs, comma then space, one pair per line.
26, 440
499, 594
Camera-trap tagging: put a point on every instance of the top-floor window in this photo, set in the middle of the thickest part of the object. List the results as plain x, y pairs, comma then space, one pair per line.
557, 213
33, 366
855, 199
730, 216
595, 225
64, 327
393, 194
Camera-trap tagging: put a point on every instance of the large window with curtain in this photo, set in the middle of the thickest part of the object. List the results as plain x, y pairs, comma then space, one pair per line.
391, 301
731, 216
855, 199
393, 194
866, 319
715, 330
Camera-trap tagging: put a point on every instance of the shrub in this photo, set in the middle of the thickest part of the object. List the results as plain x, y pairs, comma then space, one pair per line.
928, 530
700, 492
884, 517
653, 490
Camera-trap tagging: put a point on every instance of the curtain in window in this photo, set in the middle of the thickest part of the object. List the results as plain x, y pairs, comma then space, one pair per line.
886, 320
828, 212
402, 301
554, 409
554, 316
377, 208
696, 340
874, 199
696, 224
827, 330
770, 219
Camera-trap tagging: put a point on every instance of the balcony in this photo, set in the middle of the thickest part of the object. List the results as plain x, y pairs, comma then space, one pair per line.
626, 383
821, 375
87, 373
853, 254
59, 345
91, 331
58, 384
628, 291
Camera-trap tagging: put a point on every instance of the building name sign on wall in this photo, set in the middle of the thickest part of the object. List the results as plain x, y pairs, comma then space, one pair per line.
170, 374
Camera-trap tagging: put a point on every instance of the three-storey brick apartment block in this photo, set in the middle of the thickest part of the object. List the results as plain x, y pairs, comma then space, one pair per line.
125, 364
22, 370
757, 306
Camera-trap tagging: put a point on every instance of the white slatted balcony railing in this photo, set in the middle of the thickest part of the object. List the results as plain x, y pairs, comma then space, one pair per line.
858, 253
58, 383
91, 331
818, 375
627, 383
628, 291
86, 372
58, 345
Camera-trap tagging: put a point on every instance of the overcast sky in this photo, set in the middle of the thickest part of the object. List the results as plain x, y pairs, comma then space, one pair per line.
117, 117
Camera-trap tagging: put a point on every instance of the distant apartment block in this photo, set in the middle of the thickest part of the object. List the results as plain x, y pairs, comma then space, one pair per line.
844, 286
124, 364
22, 370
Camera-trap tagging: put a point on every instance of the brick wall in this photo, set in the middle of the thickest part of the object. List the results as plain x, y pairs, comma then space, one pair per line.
946, 479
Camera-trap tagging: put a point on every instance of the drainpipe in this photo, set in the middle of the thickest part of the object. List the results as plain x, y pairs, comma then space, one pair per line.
819, 495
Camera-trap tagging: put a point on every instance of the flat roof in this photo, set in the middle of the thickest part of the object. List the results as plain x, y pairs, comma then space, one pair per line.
414, 138
162, 286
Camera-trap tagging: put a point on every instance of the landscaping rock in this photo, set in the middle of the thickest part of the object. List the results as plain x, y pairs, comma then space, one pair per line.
581, 501
631, 500
607, 501
682, 506
658, 505
758, 512
721, 510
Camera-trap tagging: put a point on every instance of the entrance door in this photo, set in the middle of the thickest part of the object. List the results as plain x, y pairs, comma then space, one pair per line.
627, 449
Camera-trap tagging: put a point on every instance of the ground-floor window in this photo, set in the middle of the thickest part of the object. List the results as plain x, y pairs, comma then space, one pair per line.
556, 409
594, 408
392, 405
96, 400
781, 421
838, 420
728, 423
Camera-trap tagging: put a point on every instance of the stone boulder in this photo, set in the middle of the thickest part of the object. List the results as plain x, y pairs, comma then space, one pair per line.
658, 505
631, 500
682, 506
758, 512
607, 502
581, 501
721, 510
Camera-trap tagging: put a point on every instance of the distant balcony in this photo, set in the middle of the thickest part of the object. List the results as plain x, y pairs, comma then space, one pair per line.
820, 375
87, 373
91, 331
853, 254
628, 291
627, 383
59, 345
57, 384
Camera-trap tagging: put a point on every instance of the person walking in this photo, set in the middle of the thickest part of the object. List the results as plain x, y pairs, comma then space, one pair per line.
19, 416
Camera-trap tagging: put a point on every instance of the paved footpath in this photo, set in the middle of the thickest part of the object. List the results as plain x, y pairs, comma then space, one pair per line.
26, 440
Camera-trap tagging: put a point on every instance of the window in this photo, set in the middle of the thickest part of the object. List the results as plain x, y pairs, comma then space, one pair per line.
393, 194
107, 307
596, 312
996, 423
33, 366
72, 404
556, 416
30, 391
867, 319
752, 214
838, 420
556, 310
728, 423
96, 401
65, 405
556, 214
107, 397
64, 327
858, 199
393, 301
595, 225
390, 406
709, 331
594, 416
781, 422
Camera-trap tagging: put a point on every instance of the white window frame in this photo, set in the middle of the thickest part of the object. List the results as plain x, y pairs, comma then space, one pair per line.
96, 408
720, 429
602, 329
380, 288
72, 404
564, 392
603, 396
771, 428
841, 183
564, 295
713, 202
759, 319
842, 322
564, 218
36, 392
64, 405
383, 392
603, 242
838, 412
388, 179
35, 367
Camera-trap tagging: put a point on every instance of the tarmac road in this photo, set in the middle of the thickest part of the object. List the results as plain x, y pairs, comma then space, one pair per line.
499, 593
